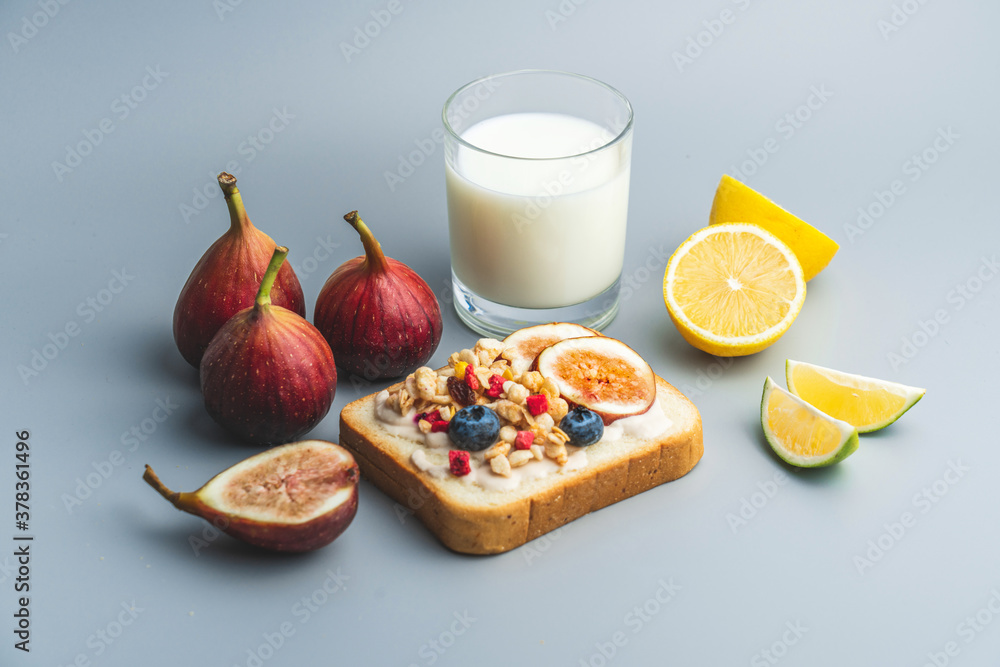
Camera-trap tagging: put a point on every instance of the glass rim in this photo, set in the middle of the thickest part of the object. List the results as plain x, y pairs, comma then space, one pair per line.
614, 91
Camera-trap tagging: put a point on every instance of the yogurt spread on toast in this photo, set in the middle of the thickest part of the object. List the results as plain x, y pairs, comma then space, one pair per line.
509, 427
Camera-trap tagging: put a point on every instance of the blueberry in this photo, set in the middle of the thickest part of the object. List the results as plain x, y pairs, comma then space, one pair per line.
474, 428
583, 426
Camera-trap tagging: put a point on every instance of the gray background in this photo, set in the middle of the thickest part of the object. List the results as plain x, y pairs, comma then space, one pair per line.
349, 120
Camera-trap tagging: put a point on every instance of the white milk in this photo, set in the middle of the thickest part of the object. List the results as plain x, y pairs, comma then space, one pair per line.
535, 233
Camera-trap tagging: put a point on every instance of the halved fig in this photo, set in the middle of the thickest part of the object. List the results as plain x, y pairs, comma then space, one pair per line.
296, 497
602, 374
522, 347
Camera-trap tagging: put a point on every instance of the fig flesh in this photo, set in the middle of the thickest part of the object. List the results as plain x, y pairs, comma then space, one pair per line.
380, 318
522, 347
296, 497
268, 376
226, 278
602, 374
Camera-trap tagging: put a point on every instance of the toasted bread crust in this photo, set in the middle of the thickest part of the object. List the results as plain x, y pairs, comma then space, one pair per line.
500, 521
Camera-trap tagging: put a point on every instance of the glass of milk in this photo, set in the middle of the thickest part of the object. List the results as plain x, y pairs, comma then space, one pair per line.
537, 173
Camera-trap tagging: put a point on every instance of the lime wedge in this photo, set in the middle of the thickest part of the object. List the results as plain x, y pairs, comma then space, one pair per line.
866, 403
800, 434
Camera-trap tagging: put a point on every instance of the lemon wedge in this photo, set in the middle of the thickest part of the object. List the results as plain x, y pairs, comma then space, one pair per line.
866, 403
733, 289
736, 202
800, 434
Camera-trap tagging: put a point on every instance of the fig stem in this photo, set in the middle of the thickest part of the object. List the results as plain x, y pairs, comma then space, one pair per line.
277, 259
238, 220
374, 257
154, 481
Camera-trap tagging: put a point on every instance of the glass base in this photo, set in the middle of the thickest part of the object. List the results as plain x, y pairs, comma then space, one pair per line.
497, 320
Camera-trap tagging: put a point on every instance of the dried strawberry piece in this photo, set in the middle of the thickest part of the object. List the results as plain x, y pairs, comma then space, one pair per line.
537, 404
461, 392
496, 386
470, 378
523, 440
440, 426
458, 461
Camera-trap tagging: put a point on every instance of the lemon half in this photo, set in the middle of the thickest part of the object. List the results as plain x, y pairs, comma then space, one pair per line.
733, 289
737, 202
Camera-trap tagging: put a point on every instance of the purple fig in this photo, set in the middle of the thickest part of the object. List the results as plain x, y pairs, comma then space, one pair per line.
381, 319
268, 375
226, 278
297, 497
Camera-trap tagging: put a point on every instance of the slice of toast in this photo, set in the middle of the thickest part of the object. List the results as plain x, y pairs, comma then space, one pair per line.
470, 519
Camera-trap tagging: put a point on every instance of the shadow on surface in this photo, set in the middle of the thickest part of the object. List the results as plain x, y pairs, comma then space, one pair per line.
406, 531
160, 353
188, 537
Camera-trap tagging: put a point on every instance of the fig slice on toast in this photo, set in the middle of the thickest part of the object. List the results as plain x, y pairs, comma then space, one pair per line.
602, 374
522, 347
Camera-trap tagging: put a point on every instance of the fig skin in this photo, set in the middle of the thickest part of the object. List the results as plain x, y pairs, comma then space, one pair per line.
226, 278
274, 535
380, 318
268, 376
